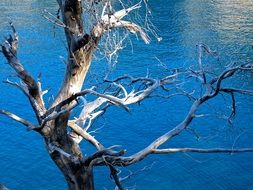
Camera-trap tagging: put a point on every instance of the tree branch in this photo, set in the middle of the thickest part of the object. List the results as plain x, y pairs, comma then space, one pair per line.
102, 154
209, 94
81, 132
9, 49
14, 117
199, 150
114, 20
114, 175
21, 87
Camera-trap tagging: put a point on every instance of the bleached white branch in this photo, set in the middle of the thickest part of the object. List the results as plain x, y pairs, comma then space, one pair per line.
120, 14
153, 148
199, 150
133, 28
110, 21
81, 132
89, 112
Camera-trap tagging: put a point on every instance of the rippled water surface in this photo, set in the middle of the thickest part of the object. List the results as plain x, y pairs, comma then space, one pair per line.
225, 25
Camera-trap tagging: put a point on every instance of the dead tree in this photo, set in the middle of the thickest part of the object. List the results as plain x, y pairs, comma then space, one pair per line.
54, 121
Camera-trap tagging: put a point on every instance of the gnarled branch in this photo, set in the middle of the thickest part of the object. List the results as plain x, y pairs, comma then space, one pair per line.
9, 49
153, 148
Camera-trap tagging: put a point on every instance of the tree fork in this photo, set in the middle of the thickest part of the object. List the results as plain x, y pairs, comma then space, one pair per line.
79, 58
67, 156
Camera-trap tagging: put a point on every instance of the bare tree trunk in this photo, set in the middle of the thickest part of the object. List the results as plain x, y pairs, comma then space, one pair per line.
77, 177
63, 150
68, 157
79, 57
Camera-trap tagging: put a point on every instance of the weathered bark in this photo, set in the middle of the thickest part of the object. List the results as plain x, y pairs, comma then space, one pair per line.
75, 75
80, 57
63, 150
77, 176
67, 156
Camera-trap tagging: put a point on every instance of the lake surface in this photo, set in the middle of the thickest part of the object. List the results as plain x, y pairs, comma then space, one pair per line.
225, 25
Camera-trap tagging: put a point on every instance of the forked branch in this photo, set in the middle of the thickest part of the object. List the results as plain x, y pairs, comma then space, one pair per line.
122, 98
153, 148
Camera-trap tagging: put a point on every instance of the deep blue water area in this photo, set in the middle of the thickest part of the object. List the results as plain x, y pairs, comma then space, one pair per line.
225, 25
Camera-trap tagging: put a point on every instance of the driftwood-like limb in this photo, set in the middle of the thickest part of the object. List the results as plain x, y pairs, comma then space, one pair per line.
199, 150
237, 90
18, 119
153, 148
52, 148
9, 49
133, 28
101, 154
89, 112
129, 98
74, 97
115, 160
81, 132
191, 114
55, 114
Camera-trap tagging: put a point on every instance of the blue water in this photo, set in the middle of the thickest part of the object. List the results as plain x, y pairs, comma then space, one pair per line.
225, 25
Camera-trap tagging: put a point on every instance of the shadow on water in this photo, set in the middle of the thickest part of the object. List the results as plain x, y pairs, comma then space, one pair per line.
224, 25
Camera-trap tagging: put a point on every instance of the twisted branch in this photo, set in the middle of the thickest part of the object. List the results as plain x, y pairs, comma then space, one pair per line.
9, 49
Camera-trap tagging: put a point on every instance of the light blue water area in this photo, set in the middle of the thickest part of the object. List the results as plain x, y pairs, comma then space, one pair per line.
225, 25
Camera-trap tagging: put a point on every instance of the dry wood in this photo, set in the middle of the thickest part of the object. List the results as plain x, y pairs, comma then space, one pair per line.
54, 122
